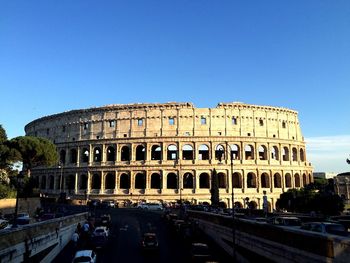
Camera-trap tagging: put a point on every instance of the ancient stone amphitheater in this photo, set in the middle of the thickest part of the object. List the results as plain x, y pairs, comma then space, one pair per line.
167, 152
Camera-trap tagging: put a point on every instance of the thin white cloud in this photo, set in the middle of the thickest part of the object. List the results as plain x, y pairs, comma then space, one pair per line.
329, 153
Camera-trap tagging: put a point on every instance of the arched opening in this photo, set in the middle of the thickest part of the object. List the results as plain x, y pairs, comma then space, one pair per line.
285, 154
110, 181
294, 154
237, 180
96, 181
265, 182
297, 180
302, 156
140, 181
249, 152
140, 153
125, 153
156, 152
305, 182
220, 152
83, 182
62, 156
277, 180
111, 154
155, 181
85, 155
204, 180
235, 152
251, 180
51, 182
222, 180
275, 153
43, 182
288, 179
70, 182
203, 152
238, 205
188, 181
262, 152
97, 154
187, 152
171, 182
124, 181
172, 152
73, 156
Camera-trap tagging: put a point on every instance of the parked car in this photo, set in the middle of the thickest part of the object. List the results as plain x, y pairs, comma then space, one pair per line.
152, 206
326, 228
149, 241
285, 221
200, 252
85, 256
101, 231
98, 242
105, 220
108, 203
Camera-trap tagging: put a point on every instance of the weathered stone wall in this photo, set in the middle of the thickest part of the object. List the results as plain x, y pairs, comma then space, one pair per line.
27, 205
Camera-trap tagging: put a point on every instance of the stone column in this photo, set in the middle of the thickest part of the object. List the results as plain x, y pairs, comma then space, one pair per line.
88, 182
91, 154
103, 177
76, 183
78, 156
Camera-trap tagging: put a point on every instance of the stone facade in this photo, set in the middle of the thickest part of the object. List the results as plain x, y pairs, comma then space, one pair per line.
168, 152
342, 186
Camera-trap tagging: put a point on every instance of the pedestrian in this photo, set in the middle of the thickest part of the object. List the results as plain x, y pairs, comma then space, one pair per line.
75, 238
79, 228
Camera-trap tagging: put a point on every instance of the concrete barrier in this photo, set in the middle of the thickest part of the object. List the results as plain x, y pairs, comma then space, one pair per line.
39, 242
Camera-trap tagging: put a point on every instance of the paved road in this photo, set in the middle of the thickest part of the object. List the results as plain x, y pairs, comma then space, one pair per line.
128, 225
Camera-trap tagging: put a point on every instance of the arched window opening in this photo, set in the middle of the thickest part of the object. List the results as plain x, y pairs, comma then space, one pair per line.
235, 152
252, 205
220, 152
110, 181
188, 181
238, 205
51, 182
285, 154
110, 154
73, 156
251, 180
302, 156
237, 180
62, 156
140, 181
249, 152
222, 180
204, 180
297, 180
171, 182
305, 182
294, 154
187, 152
70, 182
96, 181
265, 182
277, 180
288, 180
97, 155
156, 152
83, 182
172, 152
43, 182
85, 155
124, 181
275, 153
262, 152
140, 153
155, 181
125, 153
203, 152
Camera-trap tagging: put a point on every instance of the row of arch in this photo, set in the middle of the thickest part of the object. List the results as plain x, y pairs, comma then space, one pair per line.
187, 153
172, 182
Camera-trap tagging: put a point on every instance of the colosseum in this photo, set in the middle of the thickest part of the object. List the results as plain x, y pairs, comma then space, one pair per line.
167, 152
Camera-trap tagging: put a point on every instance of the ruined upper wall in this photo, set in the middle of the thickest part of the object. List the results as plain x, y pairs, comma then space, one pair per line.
168, 120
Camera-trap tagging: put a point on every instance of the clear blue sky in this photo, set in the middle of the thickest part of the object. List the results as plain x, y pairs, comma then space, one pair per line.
62, 55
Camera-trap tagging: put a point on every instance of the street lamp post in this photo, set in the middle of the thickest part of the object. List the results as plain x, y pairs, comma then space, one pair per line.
61, 176
20, 177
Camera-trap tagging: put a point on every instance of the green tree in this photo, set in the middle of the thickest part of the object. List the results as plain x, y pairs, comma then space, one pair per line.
214, 191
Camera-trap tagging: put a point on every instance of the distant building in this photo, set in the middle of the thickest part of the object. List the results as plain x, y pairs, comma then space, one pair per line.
325, 175
342, 186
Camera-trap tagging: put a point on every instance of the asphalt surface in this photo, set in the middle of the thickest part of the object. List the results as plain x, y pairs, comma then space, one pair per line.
124, 245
